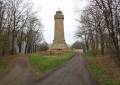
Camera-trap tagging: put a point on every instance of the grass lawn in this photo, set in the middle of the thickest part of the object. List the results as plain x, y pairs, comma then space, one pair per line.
45, 62
3, 64
103, 77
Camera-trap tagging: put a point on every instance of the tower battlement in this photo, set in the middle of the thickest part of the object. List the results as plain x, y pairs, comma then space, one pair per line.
59, 17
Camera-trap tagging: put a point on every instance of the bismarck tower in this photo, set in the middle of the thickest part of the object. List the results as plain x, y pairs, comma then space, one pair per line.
59, 41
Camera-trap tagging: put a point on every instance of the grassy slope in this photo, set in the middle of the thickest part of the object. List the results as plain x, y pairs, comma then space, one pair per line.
99, 73
4, 62
43, 63
3, 65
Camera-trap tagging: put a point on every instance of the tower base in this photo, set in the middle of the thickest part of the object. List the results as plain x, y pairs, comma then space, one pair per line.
59, 47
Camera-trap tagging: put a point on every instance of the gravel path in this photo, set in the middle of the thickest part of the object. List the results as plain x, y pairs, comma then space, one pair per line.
74, 72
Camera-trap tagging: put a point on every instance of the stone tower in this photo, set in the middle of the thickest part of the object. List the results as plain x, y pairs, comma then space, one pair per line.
59, 41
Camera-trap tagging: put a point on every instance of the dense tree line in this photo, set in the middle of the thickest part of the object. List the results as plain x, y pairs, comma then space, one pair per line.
19, 27
99, 27
44, 46
77, 45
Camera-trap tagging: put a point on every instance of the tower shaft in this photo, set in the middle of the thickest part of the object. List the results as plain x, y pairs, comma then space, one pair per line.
59, 29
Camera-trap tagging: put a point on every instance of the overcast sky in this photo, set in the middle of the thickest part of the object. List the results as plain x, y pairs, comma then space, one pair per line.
46, 10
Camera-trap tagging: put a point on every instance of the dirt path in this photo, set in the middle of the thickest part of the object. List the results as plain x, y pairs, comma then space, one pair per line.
18, 74
74, 72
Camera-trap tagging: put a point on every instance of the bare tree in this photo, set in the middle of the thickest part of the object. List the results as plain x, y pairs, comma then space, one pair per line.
110, 9
100, 24
33, 35
16, 18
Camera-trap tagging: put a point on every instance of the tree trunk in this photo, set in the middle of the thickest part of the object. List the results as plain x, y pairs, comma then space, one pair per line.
13, 44
102, 44
20, 47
